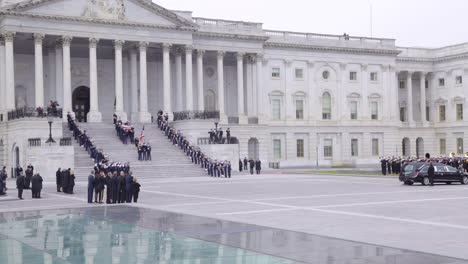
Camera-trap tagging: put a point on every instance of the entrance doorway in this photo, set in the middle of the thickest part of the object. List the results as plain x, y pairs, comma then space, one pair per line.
80, 103
253, 149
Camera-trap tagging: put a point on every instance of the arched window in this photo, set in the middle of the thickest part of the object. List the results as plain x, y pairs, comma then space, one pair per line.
326, 106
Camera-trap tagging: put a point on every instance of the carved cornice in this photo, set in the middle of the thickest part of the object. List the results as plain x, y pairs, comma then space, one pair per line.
215, 35
460, 56
8, 36
38, 38
166, 47
143, 45
97, 21
381, 52
221, 54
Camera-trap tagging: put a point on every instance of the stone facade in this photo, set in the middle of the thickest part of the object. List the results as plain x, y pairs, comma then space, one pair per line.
300, 99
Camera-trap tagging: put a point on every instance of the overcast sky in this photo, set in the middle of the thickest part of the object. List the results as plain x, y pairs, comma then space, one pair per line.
422, 23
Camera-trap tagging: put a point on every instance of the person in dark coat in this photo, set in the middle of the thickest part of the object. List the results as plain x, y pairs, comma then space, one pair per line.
1, 188
109, 190
90, 186
128, 187
27, 179
252, 166
71, 184
383, 164
36, 187
58, 179
20, 185
240, 165
430, 173
121, 188
258, 166
115, 188
65, 181
135, 190
97, 186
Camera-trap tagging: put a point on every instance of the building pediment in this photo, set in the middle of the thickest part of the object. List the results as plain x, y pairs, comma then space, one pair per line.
135, 12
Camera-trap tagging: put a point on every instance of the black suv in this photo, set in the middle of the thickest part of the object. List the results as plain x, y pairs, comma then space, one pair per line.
417, 172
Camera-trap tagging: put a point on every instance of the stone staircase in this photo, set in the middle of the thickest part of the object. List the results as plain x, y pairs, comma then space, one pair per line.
168, 161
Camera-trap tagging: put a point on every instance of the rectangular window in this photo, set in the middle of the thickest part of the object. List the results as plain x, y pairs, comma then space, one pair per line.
441, 82
275, 72
375, 147
300, 109
374, 77
353, 76
460, 146
276, 109
426, 84
354, 112
442, 146
459, 80
459, 112
441, 113
326, 111
354, 147
300, 148
402, 114
428, 113
374, 111
277, 149
299, 73
328, 148
402, 85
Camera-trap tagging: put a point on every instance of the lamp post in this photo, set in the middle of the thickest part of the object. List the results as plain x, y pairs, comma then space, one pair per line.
216, 126
50, 119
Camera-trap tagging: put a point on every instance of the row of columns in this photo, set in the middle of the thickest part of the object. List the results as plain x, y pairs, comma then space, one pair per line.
63, 59
409, 96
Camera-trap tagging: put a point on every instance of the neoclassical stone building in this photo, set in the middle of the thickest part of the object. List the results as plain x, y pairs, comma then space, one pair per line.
294, 98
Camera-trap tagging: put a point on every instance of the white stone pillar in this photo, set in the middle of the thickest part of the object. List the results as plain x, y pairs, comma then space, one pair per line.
240, 89
134, 84
9, 70
409, 96
179, 86
365, 93
188, 78
423, 97
167, 80
94, 116
263, 108
67, 95
59, 72
119, 102
200, 84
144, 115
39, 70
222, 111
3, 100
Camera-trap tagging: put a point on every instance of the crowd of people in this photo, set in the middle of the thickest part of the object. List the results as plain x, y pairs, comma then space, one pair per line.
120, 187
3, 177
213, 167
394, 165
252, 164
25, 180
65, 180
216, 136
125, 131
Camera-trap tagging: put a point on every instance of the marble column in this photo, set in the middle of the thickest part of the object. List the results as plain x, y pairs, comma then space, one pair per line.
59, 72
144, 115
262, 98
188, 78
9, 71
67, 95
220, 63
423, 97
39, 70
365, 93
134, 84
94, 116
240, 89
179, 85
119, 104
200, 84
167, 80
2, 78
409, 97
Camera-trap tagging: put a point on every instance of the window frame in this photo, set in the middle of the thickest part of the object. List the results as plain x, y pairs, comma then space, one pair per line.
460, 147
300, 148
277, 151
375, 147
354, 147
301, 70
459, 112
351, 104
441, 82
442, 146
301, 110
374, 77
442, 114
328, 148
273, 112
376, 104
353, 76
459, 80
273, 72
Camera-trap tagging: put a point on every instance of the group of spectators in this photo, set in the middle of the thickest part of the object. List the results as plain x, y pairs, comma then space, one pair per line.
120, 187
216, 136
252, 164
30, 181
394, 165
214, 168
3, 177
65, 180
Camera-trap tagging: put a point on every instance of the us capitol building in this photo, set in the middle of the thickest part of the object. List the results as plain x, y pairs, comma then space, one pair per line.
291, 98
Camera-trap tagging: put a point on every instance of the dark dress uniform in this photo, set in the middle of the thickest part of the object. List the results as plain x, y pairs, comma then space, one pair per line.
20, 185
90, 188
36, 187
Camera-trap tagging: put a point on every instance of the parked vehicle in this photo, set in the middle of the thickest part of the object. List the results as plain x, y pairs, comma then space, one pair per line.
417, 172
